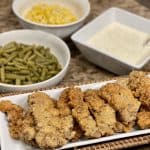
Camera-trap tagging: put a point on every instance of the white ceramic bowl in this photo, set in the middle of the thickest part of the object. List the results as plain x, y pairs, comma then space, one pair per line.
101, 58
56, 45
80, 7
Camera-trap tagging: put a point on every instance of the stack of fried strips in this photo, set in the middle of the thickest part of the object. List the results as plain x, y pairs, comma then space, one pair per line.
114, 108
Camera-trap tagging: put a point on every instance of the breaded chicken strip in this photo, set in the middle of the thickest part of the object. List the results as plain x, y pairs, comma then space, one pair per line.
93, 100
62, 103
81, 113
65, 110
139, 83
122, 100
15, 117
52, 130
104, 114
28, 129
143, 120
20, 122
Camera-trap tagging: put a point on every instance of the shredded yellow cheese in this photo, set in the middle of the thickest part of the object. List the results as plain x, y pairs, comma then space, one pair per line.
50, 14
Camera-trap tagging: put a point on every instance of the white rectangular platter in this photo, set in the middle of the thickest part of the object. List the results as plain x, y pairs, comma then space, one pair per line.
7, 143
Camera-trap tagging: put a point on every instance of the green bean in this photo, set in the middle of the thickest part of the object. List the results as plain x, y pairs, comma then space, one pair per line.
18, 59
25, 72
43, 74
25, 50
14, 76
10, 50
1, 51
2, 74
22, 64
21, 72
9, 81
18, 81
5, 55
32, 57
35, 79
10, 44
10, 68
38, 54
27, 55
53, 72
31, 64
35, 73
3, 61
13, 55
27, 82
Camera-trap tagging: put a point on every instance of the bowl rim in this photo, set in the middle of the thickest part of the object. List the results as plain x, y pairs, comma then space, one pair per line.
50, 79
76, 39
86, 14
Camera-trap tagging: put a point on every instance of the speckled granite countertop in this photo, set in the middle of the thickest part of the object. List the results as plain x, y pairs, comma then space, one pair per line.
80, 69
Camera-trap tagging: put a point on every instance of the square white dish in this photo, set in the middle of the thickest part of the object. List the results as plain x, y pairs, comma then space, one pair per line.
7, 142
101, 58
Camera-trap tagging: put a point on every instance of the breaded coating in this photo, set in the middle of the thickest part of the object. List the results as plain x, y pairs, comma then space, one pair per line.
139, 83
21, 125
106, 120
51, 130
62, 103
104, 114
82, 114
65, 110
122, 100
15, 117
28, 129
93, 100
123, 82
143, 120
75, 96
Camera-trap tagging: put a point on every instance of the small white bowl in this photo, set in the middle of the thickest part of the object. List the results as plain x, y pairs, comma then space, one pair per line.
80, 7
56, 45
101, 58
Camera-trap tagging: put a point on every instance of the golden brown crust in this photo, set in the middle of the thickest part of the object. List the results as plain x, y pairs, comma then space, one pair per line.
104, 115
15, 117
144, 119
81, 113
122, 100
62, 103
139, 83
93, 100
51, 129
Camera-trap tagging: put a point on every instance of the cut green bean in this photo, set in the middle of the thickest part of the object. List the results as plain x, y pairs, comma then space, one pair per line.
32, 57
14, 76
18, 81
2, 74
23, 64
27, 55
12, 56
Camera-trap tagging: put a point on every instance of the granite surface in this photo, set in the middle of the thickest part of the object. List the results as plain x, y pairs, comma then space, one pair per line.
80, 70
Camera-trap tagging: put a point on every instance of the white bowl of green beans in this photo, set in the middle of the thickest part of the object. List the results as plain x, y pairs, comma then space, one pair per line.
31, 59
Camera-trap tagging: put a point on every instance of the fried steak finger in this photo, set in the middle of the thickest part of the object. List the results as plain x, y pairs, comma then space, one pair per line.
139, 83
15, 117
65, 110
143, 120
122, 100
104, 114
52, 130
81, 113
